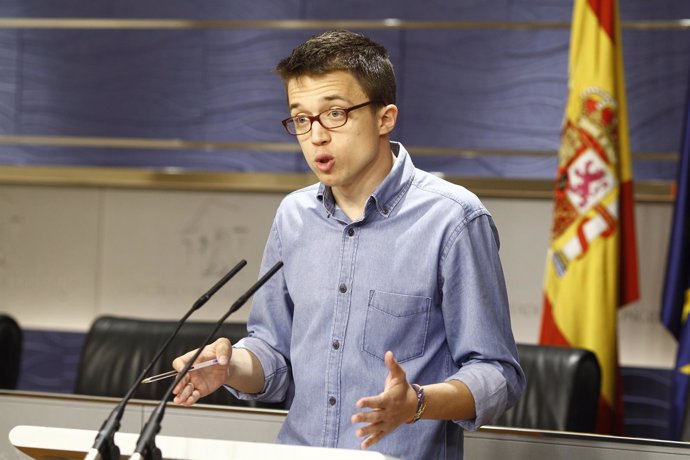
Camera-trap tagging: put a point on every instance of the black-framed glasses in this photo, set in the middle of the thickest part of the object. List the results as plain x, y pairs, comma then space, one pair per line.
329, 119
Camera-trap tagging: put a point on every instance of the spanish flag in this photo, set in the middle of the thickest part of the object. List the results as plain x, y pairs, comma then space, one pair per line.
591, 267
676, 297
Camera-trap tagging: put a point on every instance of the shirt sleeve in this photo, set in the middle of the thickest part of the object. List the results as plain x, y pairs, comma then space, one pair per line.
269, 328
475, 308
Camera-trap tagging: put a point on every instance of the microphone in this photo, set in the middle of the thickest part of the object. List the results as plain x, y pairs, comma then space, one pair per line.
146, 444
104, 446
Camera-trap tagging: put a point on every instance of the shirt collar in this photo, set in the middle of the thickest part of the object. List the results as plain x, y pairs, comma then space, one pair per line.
389, 192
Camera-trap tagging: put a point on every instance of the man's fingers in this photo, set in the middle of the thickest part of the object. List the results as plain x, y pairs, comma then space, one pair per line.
187, 395
392, 364
179, 363
180, 385
372, 402
193, 398
223, 349
372, 439
384, 415
374, 416
369, 430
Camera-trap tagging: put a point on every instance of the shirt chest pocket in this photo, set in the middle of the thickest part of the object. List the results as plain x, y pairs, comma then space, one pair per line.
398, 323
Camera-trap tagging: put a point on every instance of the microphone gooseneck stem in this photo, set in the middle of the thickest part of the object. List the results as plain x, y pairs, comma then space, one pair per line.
104, 446
146, 444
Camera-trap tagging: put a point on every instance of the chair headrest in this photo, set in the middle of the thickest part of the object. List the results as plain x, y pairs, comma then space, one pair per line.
11, 345
562, 391
117, 349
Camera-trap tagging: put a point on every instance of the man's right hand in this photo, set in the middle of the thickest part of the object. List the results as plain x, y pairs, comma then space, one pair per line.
203, 382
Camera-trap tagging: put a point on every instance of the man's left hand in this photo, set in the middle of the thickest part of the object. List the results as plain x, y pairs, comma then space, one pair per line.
390, 409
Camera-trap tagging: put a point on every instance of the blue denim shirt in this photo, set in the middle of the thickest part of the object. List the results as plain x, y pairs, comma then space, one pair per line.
418, 274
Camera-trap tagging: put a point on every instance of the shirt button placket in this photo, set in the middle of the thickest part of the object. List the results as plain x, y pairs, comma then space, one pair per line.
349, 242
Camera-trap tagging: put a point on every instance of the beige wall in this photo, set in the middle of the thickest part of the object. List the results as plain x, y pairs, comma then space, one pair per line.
68, 254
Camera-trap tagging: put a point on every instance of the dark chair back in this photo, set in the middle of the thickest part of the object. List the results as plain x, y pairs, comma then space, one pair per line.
11, 346
562, 391
117, 349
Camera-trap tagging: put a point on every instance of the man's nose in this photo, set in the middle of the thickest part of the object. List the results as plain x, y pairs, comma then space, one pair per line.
319, 134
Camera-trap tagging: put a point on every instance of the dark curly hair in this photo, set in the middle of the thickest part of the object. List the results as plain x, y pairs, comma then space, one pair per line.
343, 50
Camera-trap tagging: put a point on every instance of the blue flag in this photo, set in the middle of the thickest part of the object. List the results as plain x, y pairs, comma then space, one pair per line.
676, 297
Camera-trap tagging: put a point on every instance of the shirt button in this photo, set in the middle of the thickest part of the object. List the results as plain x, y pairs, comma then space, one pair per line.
332, 400
350, 231
335, 344
343, 288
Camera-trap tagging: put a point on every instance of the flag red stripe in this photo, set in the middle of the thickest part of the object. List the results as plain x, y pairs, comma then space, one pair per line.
608, 420
603, 10
550, 332
629, 282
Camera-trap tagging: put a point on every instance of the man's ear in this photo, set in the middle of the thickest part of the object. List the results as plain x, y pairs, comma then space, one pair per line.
388, 116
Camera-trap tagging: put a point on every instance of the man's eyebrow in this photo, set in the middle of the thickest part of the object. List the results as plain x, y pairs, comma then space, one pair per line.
296, 105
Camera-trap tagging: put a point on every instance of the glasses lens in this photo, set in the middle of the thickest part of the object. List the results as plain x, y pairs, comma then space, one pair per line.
294, 126
333, 118
301, 124
290, 126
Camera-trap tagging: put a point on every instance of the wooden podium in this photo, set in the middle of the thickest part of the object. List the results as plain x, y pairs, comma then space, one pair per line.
46, 443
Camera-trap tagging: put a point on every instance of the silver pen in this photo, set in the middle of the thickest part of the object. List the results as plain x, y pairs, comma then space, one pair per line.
173, 373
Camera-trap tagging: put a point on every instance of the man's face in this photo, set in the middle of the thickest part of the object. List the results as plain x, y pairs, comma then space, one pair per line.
352, 155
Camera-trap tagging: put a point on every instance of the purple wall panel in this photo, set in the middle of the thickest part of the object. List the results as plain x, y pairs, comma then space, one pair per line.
467, 89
